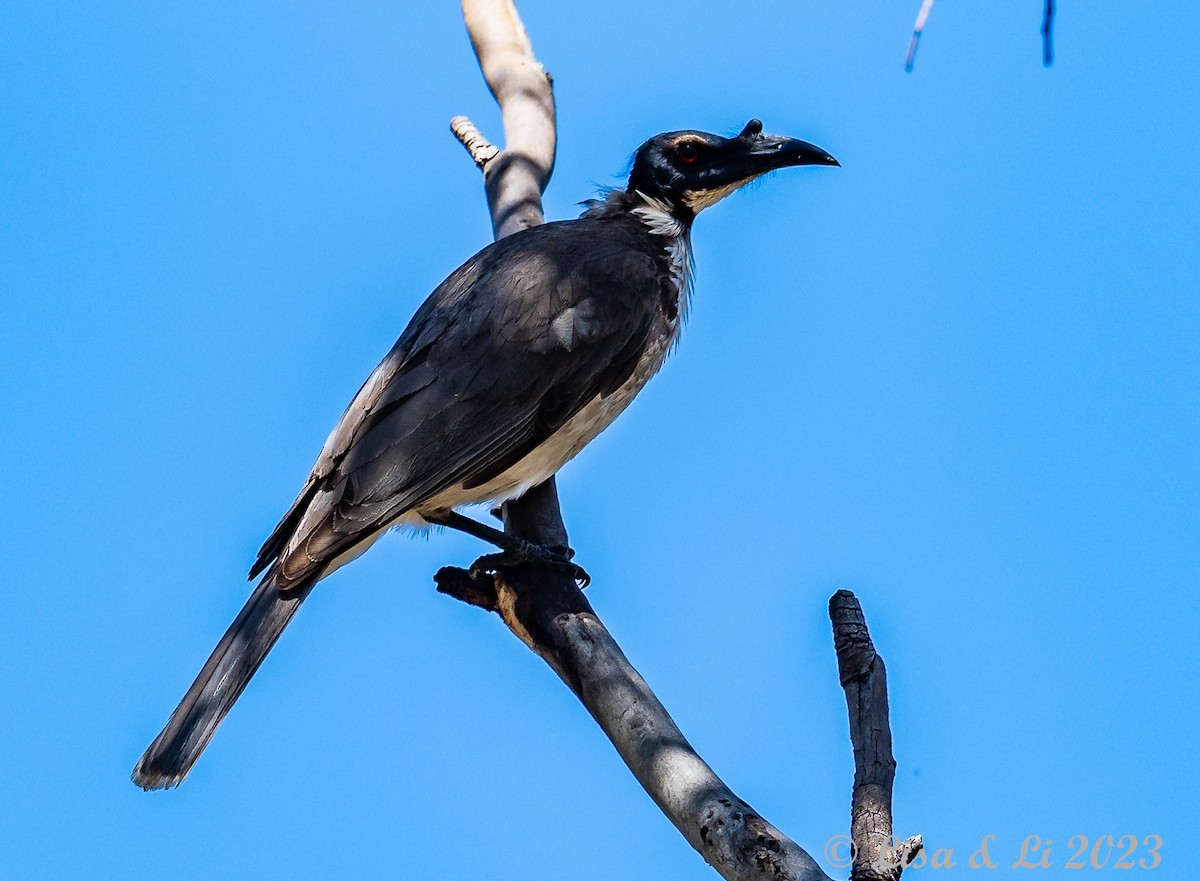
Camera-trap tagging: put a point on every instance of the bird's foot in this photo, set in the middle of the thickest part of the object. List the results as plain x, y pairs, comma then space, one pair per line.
555, 558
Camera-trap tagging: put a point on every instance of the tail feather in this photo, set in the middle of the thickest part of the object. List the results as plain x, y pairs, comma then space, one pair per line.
235, 659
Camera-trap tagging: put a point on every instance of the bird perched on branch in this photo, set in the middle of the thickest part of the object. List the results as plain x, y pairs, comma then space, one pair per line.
515, 362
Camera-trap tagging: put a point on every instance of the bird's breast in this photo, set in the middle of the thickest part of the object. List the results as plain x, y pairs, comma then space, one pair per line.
571, 437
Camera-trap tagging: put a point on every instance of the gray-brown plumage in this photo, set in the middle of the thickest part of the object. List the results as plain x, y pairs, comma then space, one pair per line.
516, 361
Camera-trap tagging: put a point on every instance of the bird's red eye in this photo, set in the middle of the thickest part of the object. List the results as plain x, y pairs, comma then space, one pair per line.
687, 152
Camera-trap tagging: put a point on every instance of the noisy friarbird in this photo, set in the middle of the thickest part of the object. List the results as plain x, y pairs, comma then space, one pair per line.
511, 366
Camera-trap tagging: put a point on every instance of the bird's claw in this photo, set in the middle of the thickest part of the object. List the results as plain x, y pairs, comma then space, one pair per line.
554, 559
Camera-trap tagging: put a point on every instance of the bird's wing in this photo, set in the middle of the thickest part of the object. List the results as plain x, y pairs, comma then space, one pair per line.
507, 349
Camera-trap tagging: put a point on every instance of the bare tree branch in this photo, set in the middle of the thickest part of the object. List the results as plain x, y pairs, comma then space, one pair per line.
561, 626
864, 678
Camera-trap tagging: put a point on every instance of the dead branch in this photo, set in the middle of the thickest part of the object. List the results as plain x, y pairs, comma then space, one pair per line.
864, 678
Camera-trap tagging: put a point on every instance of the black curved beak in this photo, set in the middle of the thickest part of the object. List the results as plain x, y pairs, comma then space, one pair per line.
752, 154
768, 153
733, 162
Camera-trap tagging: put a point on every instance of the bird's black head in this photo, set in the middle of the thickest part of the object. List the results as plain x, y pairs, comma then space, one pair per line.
689, 171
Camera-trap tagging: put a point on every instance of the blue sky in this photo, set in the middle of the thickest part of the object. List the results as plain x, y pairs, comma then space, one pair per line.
957, 376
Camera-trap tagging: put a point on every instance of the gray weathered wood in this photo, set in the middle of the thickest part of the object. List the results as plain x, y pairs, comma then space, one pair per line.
863, 676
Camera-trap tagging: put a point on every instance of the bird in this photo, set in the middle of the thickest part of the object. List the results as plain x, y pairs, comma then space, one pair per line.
514, 363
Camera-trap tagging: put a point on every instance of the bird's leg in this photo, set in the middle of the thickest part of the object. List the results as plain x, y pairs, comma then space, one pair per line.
513, 550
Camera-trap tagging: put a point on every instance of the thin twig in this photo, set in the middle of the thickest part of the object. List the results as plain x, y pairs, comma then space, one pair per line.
918, 29
481, 149
1048, 34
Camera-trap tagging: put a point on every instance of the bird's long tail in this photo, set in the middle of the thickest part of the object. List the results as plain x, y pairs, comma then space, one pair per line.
235, 659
